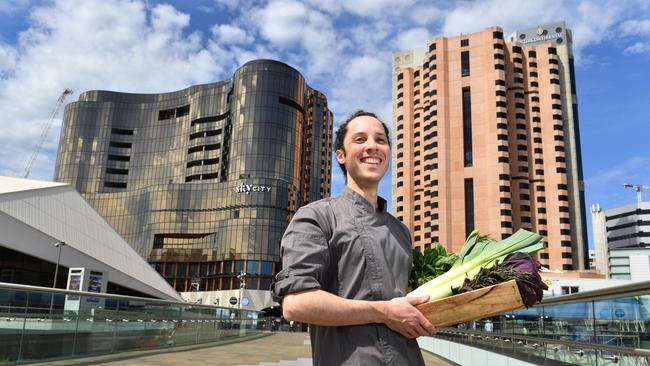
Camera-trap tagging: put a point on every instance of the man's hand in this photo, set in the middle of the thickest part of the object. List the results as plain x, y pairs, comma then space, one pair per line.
401, 316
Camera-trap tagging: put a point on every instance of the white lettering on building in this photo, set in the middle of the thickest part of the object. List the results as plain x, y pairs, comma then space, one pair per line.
540, 38
248, 188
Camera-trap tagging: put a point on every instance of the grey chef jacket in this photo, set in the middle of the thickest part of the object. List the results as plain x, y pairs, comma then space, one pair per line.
343, 246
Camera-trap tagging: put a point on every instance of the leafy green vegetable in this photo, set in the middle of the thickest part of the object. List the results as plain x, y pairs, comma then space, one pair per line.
430, 264
478, 252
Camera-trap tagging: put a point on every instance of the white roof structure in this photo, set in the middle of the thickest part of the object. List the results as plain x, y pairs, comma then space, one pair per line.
34, 215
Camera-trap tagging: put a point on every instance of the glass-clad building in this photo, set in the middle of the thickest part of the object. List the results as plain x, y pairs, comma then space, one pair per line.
202, 182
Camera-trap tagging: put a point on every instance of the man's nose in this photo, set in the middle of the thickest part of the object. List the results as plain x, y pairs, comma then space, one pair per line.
371, 144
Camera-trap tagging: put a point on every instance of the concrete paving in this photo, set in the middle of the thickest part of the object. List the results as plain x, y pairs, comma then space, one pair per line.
275, 349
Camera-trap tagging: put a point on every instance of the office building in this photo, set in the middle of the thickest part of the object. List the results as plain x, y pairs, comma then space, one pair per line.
625, 234
486, 136
202, 182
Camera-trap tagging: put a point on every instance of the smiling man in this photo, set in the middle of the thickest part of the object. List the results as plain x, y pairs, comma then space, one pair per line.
346, 263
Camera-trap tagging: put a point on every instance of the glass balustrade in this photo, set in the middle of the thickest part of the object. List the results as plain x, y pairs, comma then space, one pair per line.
38, 324
604, 327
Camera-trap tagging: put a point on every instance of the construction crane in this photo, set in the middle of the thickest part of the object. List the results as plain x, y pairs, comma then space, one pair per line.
46, 129
638, 188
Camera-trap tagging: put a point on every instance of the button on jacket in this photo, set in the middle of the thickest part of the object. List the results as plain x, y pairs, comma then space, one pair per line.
344, 246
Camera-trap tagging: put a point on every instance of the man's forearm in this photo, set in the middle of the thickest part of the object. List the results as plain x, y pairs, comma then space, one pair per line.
322, 308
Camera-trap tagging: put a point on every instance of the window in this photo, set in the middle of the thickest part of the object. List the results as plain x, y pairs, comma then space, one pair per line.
499, 67
467, 127
118, 157
464, 42
117, 171
506, 213
532, 54
469, 206
125, 145
121, 131
498, 46
166, 114
432, 47
568, 290
497, 35
464, 63
114, 185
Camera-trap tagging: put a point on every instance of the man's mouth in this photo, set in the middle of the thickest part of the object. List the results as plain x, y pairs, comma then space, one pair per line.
371, 160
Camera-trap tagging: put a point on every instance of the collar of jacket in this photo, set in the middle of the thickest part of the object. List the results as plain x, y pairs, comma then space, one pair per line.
362, 202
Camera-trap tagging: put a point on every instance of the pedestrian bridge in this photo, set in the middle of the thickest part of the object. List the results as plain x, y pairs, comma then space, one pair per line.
605, 327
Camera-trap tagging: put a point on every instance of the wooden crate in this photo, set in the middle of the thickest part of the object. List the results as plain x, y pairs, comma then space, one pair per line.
473, 305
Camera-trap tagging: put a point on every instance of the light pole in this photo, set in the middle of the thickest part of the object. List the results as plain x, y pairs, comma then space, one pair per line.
242, 284
59, 245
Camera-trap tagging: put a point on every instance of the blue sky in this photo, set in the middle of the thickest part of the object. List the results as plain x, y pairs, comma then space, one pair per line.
342, 47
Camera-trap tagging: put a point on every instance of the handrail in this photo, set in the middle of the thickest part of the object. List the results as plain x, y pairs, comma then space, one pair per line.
632, 289
28, 288
596, 346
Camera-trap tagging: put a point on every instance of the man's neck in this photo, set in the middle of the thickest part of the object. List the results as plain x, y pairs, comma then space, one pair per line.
368, 192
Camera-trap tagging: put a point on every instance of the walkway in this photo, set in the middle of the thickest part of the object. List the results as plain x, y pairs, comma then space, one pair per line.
276, 349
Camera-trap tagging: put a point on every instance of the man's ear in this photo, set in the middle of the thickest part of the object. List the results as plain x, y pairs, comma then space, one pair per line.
340, 156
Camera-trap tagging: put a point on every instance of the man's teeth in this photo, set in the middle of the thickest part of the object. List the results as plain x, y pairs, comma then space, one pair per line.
371, 160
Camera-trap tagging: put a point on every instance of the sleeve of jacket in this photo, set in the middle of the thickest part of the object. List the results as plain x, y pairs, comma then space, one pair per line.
305, 255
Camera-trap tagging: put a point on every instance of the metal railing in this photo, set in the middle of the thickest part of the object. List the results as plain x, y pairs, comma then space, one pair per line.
39, 324
602, 327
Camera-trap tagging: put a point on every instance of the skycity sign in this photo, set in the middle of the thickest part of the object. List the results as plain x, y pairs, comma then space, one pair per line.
248, 188
540, 38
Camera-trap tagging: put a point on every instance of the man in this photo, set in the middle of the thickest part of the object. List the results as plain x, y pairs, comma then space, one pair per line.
346, 263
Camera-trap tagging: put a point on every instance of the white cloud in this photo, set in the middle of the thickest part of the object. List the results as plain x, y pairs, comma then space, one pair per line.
637, 48
8, 60
282, 22
130, 48
423, 14
376, 8
231, 34
508, 14
636, 27
412, 38
633, 170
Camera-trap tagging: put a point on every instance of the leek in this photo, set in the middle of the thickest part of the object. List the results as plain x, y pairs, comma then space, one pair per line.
478, 252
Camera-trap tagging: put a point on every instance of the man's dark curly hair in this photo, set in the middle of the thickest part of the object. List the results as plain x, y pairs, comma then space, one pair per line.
343, 130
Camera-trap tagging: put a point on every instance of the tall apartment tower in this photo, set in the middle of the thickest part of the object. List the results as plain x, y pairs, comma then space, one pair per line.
486, 136
203, 182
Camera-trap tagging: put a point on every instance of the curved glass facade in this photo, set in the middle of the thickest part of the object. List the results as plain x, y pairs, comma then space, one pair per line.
202, 182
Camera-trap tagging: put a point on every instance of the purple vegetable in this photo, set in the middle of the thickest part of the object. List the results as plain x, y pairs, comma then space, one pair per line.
520, 267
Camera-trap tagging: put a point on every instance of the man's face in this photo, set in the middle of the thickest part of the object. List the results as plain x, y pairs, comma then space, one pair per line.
366, 151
